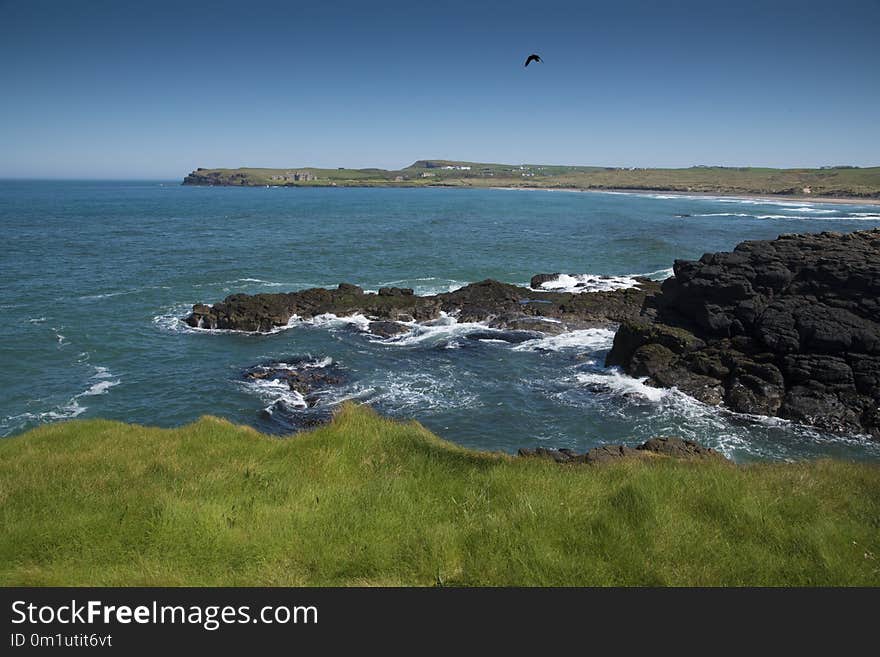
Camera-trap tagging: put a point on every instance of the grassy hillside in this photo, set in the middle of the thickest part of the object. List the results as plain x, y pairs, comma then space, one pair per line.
369, 501
832, 182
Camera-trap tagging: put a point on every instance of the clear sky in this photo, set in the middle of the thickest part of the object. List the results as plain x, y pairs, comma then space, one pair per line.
151, 89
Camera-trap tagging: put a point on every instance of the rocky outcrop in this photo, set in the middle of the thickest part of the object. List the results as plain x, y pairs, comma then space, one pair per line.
300, 375
673, 447
500, 305
787, 328
539, 279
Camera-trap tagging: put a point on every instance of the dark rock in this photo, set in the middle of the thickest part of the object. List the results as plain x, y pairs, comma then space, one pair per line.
348, 288
674, 447
395, 292
611, 453
557, 455
301, 375
788, 327
680, 449
523, 322
539, 279
513, 337
501, 304
387, 329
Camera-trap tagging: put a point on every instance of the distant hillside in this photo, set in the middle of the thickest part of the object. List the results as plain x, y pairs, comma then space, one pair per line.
840, 181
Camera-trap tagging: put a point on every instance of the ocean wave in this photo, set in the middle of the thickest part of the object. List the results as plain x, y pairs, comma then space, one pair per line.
411, 393
331, 321
799, 205
427, 286
443, 330
723, 214
171, 321
622, 384
825, 215
853, 217
254, 280
671, 412
67, 410
595, 339
277, 394
579, 283
116, 293
59, 337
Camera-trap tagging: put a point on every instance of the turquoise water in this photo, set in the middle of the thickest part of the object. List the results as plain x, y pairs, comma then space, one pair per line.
95, 276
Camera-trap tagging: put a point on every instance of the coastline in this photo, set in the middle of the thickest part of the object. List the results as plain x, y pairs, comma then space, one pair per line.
803, 198
838, 200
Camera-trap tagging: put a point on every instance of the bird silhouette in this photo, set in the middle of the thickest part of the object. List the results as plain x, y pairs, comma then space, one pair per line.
532, 58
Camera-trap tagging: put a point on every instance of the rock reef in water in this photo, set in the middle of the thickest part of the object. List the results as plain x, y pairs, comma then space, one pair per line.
500, 305
787, 328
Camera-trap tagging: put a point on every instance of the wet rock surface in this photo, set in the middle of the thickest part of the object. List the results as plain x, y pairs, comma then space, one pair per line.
386, 329
671, 447
500, 305
787, 328
300, 375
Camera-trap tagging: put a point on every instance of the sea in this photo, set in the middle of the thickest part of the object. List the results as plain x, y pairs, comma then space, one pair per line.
95, 277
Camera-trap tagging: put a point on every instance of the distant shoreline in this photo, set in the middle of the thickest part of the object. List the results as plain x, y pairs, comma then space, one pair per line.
841, 200
841, 184
814, 198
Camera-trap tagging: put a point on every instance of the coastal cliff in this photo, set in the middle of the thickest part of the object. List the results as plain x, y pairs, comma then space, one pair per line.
787, 328
827, 182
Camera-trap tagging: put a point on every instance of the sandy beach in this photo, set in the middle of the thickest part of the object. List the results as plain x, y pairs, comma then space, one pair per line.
805, 198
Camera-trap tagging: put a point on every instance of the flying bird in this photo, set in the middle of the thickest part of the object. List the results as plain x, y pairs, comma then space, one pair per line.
532, 58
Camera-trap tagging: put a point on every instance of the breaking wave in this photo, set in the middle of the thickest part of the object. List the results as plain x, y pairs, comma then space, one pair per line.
579, 283
99, 384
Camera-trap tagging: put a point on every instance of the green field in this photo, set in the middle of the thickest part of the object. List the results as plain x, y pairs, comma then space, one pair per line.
829, 182
369, 501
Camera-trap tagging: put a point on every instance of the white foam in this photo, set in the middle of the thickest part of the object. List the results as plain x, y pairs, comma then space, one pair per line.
69, 410
254, 280
104, 383
329, 320
802, 206
276, 393
99, 388
413, 392
93, 297
723, 214
588, 283
446, 327
116, 293
427, 286
594, 339
579, 283
172, 321
812, 218
305, 364
622, 384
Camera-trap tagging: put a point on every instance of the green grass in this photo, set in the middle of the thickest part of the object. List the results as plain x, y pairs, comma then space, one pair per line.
370, 501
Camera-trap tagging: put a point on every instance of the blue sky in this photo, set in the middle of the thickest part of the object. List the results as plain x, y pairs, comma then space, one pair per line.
152, 89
